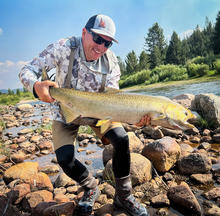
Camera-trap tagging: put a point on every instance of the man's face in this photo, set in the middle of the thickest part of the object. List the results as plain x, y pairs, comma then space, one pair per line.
92, 50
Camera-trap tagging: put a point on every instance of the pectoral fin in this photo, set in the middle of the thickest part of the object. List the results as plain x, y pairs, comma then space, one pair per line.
68, 114
104, 125
158, 117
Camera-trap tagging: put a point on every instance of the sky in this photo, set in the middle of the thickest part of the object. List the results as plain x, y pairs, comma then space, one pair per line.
29, 26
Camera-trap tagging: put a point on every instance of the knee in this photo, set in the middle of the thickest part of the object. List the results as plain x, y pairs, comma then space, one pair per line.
118, 136
65, 155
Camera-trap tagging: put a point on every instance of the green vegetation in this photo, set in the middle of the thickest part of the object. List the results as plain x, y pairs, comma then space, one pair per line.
197, 55
86, 129
44, 127
11, 99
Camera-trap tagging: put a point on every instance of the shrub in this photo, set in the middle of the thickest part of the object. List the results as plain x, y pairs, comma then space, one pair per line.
217, 66
135, 79
197, 69
169, 73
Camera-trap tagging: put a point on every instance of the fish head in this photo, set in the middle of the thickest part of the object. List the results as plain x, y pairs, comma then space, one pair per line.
178, 116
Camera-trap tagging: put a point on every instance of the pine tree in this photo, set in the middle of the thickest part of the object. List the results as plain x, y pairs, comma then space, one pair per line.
208, 36
197, 43
131, 63
121, 65
143, 61
184, 52
155, 45
173, 55
216, 37
18, 93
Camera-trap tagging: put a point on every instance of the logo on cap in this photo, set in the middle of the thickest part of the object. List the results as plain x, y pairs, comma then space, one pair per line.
102, 23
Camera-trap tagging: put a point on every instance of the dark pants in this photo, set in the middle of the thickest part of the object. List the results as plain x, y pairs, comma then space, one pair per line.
65, 151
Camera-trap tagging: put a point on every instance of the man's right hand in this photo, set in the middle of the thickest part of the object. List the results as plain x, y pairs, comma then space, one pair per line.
42, 90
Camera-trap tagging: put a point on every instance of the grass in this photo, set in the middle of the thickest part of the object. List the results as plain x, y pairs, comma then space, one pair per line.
44, 127
6, 99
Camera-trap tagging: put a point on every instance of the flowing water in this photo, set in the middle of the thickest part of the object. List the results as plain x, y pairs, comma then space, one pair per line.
174, 90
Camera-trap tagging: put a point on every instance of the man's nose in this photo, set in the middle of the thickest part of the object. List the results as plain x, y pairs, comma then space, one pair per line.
101, 47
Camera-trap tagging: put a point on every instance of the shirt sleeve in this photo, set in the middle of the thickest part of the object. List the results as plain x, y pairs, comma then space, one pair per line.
47, 59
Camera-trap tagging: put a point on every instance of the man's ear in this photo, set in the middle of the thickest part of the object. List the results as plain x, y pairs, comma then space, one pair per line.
84, 32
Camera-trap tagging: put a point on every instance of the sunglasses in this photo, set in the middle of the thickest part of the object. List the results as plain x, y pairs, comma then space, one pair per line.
99, 40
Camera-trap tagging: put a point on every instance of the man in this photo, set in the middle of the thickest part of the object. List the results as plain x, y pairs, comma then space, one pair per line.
85, 64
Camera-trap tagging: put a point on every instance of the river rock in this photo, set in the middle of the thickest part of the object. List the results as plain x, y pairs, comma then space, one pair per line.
46, 145
63, 180
163, 153
216, 138
18, 157
171, 132
160, 200
21, 171
208, 105
212, 194
210, 209
7, 207
25, 131
194, 163
140, 171
66, 209
28, 147
182, 197
184, 99
39, 209
186, 149
153, 132
48, 169
19, 192
204, 179
32, 199
24, 107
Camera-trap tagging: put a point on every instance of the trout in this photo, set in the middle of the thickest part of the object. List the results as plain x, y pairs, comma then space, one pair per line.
117, 106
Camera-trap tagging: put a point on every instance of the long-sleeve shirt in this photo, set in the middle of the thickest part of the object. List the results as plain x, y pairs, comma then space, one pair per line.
86, 76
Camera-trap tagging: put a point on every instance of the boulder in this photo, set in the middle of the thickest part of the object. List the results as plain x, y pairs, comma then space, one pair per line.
208, 106
195, 163
31, 200
21, 171
184, 99
140, 171
24, 107
183, 198
163, 153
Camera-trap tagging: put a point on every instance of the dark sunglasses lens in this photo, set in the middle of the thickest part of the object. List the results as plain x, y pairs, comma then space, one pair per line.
99, 40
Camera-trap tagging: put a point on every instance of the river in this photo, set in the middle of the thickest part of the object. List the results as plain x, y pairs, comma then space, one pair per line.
174, 90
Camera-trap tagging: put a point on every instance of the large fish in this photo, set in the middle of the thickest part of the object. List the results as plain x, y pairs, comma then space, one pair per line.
118, 106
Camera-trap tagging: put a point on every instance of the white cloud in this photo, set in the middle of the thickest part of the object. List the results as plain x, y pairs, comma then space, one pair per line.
186, 33
9, 63
9, 71
1, 31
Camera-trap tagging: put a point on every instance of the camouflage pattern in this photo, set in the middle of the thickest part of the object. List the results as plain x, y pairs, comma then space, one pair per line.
86, 76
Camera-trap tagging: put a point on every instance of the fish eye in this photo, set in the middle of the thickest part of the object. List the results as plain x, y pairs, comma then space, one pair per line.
186, 113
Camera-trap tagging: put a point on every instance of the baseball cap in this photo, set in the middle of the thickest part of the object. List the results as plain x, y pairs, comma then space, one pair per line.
102, 24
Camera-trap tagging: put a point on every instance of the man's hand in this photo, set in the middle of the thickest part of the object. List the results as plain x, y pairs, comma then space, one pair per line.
42, 90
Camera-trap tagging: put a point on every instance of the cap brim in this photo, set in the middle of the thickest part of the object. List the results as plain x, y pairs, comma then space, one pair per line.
98, 31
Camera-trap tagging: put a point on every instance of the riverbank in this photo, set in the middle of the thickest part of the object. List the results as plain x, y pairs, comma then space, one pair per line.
173, 83
42, 189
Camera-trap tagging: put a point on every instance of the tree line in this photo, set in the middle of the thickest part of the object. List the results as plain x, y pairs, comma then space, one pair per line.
203, 46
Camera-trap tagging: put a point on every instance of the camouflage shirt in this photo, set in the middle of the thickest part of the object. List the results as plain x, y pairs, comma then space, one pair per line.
86, 76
